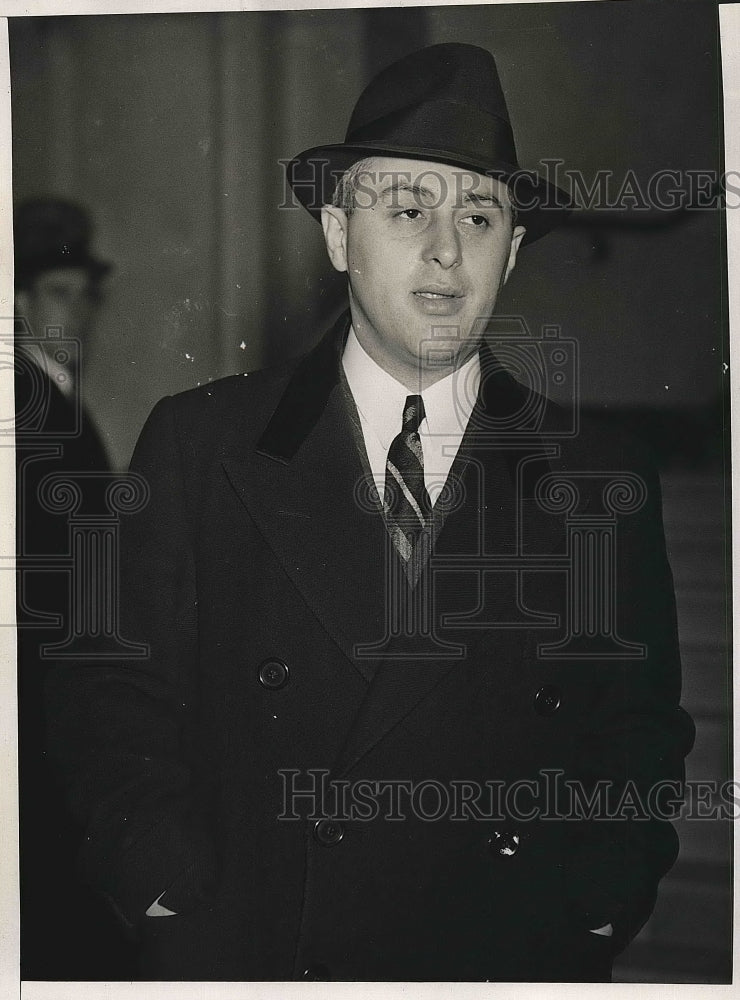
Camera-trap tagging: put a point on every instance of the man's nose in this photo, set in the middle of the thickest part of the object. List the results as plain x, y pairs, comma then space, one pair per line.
443, 244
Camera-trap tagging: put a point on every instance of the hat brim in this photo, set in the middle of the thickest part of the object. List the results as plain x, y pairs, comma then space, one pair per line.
28, 270
313, 175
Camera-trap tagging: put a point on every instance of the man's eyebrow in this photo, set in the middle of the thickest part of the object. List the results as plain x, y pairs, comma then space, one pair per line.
415, 189
481, 200
424, 194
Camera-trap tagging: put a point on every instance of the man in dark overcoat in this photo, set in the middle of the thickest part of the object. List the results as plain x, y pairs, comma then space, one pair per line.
410, 707
66, 930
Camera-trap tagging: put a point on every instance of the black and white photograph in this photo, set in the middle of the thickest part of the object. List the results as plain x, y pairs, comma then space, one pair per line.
372, 614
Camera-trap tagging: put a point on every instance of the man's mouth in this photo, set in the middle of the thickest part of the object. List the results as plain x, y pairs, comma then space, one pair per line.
423, 294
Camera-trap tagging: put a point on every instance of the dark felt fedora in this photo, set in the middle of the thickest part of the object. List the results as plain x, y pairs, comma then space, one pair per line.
50, 233
444, 104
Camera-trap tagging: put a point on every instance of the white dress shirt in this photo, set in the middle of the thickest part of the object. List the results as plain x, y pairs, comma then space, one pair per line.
380, 399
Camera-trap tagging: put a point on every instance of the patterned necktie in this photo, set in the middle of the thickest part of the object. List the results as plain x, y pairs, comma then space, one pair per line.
406, 501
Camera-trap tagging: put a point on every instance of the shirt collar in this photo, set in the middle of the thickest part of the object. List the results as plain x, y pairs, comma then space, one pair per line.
380, 398
449, 402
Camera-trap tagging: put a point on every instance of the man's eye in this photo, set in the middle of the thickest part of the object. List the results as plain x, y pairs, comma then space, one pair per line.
479, 221
410, 213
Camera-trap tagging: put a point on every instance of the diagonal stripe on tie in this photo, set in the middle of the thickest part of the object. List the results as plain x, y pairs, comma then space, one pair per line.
406, 500
406, 492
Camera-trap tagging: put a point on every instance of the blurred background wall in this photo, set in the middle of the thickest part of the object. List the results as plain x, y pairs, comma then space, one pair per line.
171, 128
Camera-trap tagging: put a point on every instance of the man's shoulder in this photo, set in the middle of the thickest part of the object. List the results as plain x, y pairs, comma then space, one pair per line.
575, 435
605, 440
215, 420
237, 404
247, 388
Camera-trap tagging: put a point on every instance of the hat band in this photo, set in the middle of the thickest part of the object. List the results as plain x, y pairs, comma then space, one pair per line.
443, 125
59, 259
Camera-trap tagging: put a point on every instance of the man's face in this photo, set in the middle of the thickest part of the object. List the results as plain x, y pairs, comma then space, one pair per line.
60, 297
426, 249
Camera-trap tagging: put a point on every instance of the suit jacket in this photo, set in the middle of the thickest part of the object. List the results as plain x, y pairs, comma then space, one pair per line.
261, 576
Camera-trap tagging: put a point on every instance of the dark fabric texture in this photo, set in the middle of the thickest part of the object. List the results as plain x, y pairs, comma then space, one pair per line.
258, 545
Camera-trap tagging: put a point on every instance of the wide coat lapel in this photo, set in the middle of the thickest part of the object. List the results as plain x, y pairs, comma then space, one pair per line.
305, 488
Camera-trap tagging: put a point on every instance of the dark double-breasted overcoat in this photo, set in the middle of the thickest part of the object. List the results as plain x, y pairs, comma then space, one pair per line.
284, 642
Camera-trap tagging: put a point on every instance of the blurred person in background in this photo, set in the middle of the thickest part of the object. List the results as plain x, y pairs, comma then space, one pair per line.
66, 933
58, 288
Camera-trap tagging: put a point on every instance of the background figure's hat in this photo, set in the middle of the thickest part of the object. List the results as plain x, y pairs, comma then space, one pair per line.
50, 233
445, 104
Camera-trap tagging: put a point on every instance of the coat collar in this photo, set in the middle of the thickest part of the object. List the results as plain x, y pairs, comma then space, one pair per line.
501, 402
305, 396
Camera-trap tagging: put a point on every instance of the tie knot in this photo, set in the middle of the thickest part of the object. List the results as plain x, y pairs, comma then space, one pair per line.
413, 414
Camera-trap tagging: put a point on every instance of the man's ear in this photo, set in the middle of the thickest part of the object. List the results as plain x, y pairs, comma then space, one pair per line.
516, 239
334, 223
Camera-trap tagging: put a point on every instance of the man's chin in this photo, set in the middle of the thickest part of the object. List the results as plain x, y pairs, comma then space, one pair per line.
437, 363
445, 354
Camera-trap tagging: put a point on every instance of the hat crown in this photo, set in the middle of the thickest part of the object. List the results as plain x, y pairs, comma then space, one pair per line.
450, 72
53, 233
47, 226
442, 104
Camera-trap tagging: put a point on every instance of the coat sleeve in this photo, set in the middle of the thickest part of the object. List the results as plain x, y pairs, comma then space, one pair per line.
117, 727
636, 736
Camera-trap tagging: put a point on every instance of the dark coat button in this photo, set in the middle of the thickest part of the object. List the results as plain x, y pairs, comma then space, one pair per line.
316, 974
504, 843
273, 674
547, 700
328, 832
